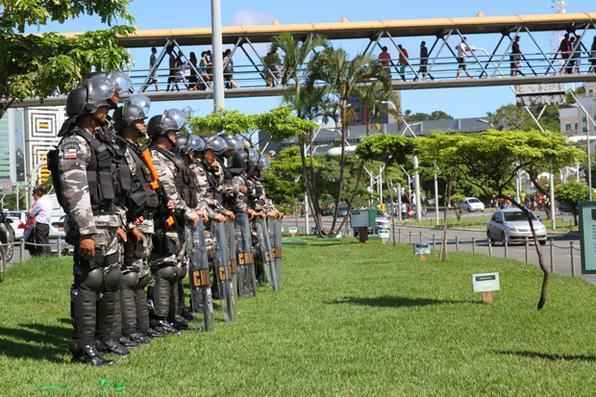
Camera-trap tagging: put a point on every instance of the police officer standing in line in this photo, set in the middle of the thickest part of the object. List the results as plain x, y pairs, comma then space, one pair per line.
82, 174
215, 147
166, 268
109, 333
192, 152
142, 204
187, 186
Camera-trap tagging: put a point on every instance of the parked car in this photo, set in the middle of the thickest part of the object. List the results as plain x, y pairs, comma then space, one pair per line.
18, 221
511, 225
7, 237
471, 204
382, 224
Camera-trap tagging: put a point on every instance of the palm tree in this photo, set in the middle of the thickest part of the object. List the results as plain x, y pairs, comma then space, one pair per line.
374, 97
307, 103
343, 80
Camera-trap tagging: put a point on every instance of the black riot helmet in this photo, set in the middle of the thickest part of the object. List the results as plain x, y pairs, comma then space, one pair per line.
93, 94
253, 157
217, 144
169, 120
123, 87
194, 144
136, 107
263, 163
231, 143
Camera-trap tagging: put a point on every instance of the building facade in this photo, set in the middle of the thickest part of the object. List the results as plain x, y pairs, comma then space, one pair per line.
574, 121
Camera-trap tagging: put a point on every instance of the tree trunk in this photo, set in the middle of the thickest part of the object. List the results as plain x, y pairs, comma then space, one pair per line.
443, 255
308, 189
545, 274
352, 196
342, 165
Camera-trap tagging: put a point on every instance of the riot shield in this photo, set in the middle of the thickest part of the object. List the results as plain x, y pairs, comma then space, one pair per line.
275, 234
232, 247
222, 271
264, 246
247, 281
200, 293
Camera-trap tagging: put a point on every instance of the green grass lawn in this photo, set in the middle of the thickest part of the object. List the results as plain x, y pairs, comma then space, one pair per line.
351, 320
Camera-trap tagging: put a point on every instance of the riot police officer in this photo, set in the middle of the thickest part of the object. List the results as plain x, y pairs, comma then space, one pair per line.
81, 169
165, 266
141, 205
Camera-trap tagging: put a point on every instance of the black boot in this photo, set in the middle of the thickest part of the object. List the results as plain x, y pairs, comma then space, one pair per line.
127, 342
111, 346
153, 333
139, 338
89, 355
163, 327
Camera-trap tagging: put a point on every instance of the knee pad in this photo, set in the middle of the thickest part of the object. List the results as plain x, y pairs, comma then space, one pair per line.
112, 279
180, 272
94, 279
130, 280
168, 273
144, 281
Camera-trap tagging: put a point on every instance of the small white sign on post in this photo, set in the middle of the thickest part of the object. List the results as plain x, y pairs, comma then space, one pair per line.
422, 251
486, 284
293, 230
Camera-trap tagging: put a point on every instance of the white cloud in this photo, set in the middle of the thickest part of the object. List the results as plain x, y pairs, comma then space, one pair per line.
252, 17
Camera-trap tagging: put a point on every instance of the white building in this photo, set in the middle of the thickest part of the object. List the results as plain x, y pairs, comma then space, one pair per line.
574, 121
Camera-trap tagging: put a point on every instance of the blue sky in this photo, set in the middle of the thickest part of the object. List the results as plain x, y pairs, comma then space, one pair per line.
458, 102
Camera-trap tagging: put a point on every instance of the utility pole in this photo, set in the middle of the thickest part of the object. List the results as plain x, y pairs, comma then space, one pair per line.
436, 198
216, 40
417, 187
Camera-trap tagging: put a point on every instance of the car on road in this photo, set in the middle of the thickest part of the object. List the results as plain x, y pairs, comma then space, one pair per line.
18, 221
511, 225
471, 204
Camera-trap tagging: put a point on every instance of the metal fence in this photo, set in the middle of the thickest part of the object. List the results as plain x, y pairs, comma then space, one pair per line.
56, 247
559, 256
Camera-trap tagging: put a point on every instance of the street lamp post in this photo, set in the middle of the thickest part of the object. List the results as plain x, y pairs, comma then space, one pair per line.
416, 173
216, 40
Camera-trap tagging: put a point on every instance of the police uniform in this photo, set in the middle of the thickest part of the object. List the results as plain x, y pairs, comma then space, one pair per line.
169, 249
89, 199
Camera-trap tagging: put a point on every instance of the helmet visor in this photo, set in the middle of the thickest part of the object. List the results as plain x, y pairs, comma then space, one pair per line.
122, 84
174, 117
140, 102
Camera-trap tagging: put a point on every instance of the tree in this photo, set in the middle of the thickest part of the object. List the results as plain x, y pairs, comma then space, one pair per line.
495, 157
232, 122
308, 102
439, 154
435, 115
516, 117
39, 65
341, 78
374, 98
570, 194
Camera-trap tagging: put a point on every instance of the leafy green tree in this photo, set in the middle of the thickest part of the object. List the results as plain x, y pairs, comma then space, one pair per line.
435, 115
570, 194
439, 154
232, 122
495, 157
308, 102
516, 117
41, 64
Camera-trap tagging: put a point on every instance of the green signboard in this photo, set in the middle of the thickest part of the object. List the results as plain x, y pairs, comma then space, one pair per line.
587, 231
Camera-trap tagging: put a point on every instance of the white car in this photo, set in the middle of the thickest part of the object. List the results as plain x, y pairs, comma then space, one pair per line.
18, 219
471, 204
511, 225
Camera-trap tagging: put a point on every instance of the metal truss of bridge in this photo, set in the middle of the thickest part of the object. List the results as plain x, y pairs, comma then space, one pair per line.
442, 68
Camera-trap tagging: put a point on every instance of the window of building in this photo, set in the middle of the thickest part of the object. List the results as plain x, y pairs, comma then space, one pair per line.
567, 127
